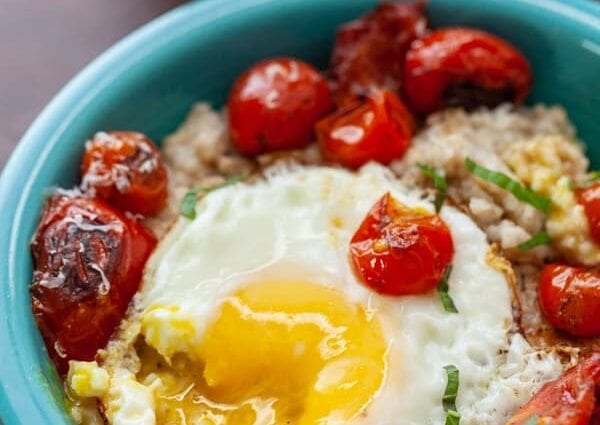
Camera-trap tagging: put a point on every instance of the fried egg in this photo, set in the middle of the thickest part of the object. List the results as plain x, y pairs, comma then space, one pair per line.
251, 314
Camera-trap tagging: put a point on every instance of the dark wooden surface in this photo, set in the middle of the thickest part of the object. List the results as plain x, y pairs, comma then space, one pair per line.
43, 43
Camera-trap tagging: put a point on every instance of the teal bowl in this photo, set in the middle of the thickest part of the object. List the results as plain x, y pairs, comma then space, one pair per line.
148, 81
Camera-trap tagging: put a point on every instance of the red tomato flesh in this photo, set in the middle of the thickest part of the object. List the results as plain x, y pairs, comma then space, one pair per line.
397, 251
572, 399
368, 53
378, 128
88, 260
464, 67
125, 169
275, 105
570, 299
589, 198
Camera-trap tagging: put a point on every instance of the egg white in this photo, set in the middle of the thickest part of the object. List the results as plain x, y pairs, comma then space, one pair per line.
299, 223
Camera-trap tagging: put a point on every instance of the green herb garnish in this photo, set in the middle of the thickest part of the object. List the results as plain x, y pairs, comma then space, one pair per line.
521, 192
452, 418
188, 204
443, 292
533, 420
440, 184
593, 177
541, 238
449, 400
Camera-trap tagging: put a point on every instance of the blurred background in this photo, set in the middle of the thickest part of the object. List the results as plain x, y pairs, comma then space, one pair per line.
43, 43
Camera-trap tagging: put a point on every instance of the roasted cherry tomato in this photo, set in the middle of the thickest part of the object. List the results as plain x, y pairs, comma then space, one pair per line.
275, 105
464, 67
378, 128
572, 399
589, 198
88, 260
125, 169
397, 251
369, 52
570, 298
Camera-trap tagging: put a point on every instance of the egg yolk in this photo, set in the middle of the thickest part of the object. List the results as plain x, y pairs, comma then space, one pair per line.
277, 353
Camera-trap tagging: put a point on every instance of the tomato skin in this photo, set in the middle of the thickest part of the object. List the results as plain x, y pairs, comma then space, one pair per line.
378, 128
125, 169
368, 53
464, 67
589, 198
275, 105
571, 399
397, 251
570, 299
88, 261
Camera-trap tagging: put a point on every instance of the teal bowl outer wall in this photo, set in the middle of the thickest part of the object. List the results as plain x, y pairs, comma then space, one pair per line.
148, 81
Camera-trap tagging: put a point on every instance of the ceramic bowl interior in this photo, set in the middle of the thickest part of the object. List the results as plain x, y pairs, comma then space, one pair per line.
148, 81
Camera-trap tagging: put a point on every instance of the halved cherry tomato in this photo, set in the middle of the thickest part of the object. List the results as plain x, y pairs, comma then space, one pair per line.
275, 105
378, 128
88, 260
572, 399
397, 251
570, 298
125, 169
464, 67
589, 198
368, 53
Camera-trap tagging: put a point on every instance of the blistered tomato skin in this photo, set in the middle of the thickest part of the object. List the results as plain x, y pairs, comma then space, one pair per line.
125, 169
275, 104
88, 261
589, 198
397, 251
377, 128
368, 53
572, 399
464, 67
570, 299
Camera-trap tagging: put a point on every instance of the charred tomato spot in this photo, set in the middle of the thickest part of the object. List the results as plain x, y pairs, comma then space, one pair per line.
470, 96
125, 169
464, 67
88, 261
368, 54
83, 260
401, 237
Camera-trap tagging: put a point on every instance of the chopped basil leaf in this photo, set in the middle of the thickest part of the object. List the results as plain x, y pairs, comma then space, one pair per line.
451, 390
440, 184
449, 400
443, 292
594, 176
541, 238
521, 192
188, 204
533, 420
452, 418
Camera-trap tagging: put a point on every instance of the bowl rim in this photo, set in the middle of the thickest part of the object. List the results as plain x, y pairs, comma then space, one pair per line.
21, 391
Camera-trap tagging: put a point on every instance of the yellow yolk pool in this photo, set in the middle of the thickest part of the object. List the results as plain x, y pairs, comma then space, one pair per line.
289, 352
